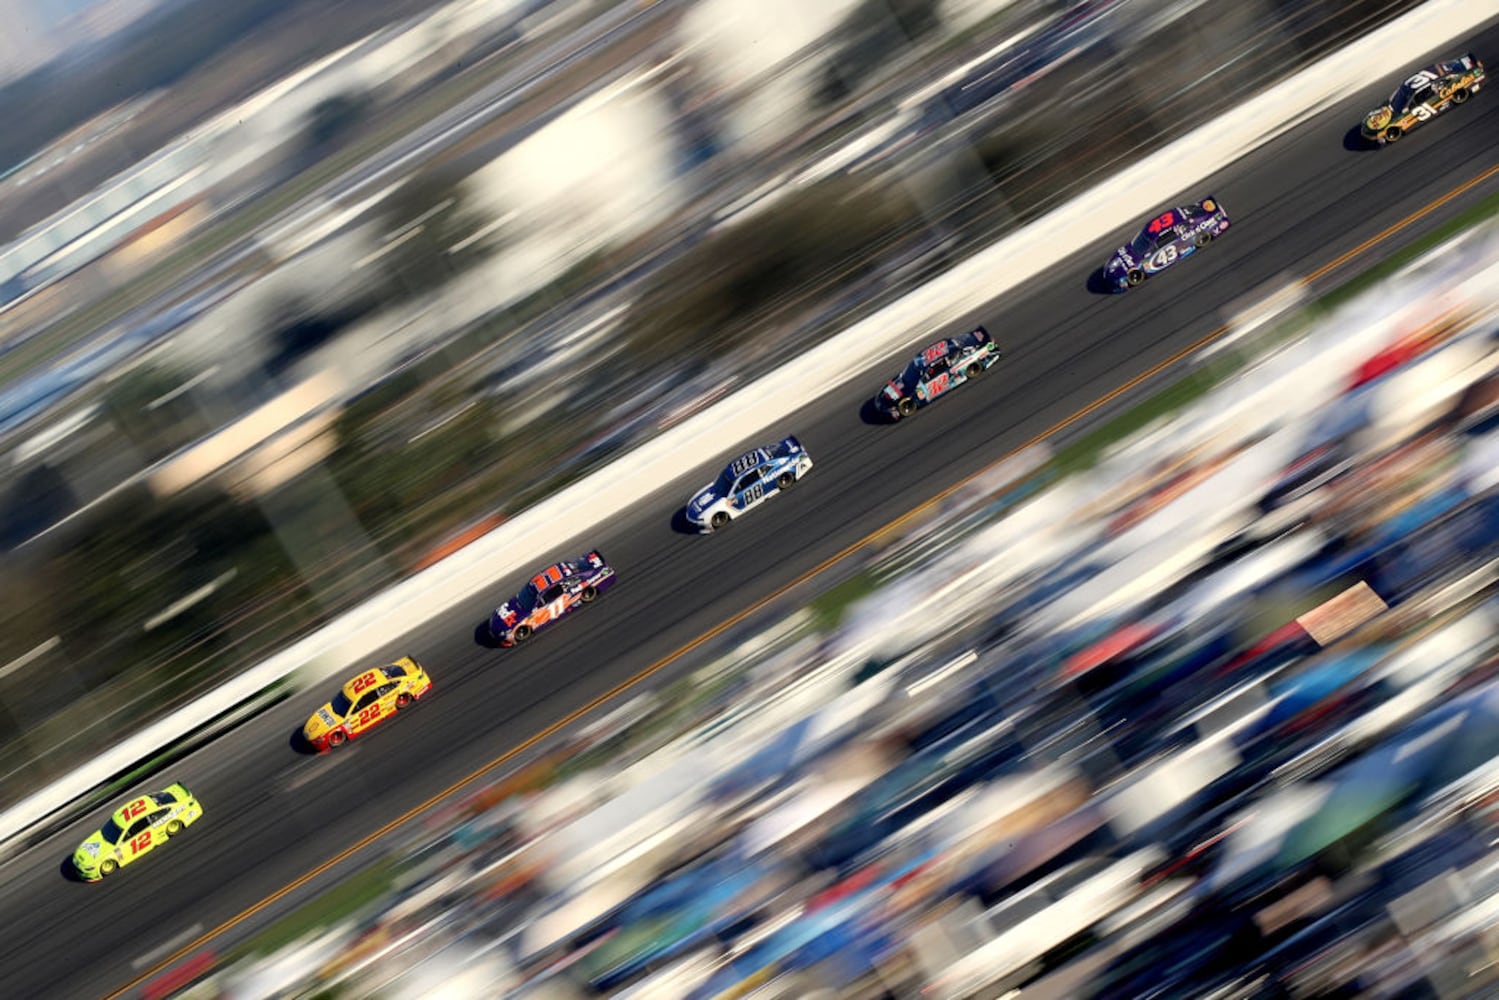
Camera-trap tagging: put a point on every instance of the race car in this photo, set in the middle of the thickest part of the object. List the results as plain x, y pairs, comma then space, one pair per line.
1175, 234
136, 828
748, 481
555, 592
366, 701
938, 369
1422, 97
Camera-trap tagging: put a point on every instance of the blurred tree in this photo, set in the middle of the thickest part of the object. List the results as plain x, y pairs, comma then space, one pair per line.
818, 239
871, 36
330, 122
148, 408
433, 233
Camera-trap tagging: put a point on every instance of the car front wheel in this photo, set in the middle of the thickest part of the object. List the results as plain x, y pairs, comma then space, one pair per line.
1135, 277
521, 634
718, 520
108, 867
1392, 135
906, 406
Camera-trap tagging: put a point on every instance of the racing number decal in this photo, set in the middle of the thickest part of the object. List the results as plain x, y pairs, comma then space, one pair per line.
557, 608
1423, 112
135, 809
364, 682
934, 353
1161, 223
1425, 76
754, 493
140, 843
938, 385
1164, 257
370, 714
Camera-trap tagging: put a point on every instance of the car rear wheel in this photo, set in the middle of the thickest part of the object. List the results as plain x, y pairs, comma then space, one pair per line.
785, 481
337, 738
108, 866
718, 520
1203, 239
906, 406
1135, 277
174, 828
975, 370
402, 700
588, 595
1460, 95
521, 633
1392, 135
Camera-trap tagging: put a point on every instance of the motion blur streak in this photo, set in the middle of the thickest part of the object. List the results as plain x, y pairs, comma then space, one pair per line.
730, 622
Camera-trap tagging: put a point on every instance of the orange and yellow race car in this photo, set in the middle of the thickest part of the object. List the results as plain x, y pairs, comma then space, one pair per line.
366, 701
1424, 96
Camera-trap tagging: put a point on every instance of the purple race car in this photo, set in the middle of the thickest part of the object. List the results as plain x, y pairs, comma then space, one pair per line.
1171, 236
555, 592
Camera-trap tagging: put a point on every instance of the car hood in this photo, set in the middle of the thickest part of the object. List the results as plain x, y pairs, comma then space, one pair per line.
320, 722
1124, 258
894, 389
90, 852
703, 499
505, 615
1378, 118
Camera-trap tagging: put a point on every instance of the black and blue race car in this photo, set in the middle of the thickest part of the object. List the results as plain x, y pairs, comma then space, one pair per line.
1173, 235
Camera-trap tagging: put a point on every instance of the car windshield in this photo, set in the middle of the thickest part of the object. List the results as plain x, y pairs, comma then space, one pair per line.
913, 373
1400, 100
1142, 244
526, 599
111, 831
341, 705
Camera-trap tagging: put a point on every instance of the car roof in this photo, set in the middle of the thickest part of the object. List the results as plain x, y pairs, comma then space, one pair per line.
119, 814
564, 570
749, 460
348, 688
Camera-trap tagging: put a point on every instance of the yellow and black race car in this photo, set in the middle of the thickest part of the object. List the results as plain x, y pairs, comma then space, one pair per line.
1424, 96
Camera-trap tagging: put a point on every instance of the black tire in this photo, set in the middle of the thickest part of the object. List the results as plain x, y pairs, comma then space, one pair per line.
588, 594
1392, 134
975, 370
1202, 239
521, 634
1460, 95
337, 738
108, 867
1135, 278
174, 828
905, 406
785, 480
718, 520
402, 700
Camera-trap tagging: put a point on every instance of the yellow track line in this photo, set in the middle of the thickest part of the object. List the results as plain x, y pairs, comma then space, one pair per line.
730, 622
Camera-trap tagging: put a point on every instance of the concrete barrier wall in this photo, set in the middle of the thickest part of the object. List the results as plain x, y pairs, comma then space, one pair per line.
1114, 206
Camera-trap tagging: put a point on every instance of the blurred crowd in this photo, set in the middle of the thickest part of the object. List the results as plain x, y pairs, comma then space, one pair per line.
1216, 716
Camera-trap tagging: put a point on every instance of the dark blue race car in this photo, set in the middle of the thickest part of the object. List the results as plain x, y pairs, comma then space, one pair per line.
1175, 234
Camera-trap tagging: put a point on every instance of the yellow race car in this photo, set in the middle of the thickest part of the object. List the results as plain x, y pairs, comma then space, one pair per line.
137, 827
366, 701
1424, 96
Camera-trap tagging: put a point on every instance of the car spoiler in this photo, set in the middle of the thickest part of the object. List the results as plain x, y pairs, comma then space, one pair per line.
791, 444
597, 558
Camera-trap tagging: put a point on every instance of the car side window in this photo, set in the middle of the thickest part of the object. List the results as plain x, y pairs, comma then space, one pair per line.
158, 816
551, 593
137, 827
1420, 97
367, 700
385, 689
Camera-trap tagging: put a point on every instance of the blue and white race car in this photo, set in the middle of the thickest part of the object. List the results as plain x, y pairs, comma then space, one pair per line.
747, 482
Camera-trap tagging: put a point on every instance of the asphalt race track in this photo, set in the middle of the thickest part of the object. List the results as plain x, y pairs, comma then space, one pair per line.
273, 814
